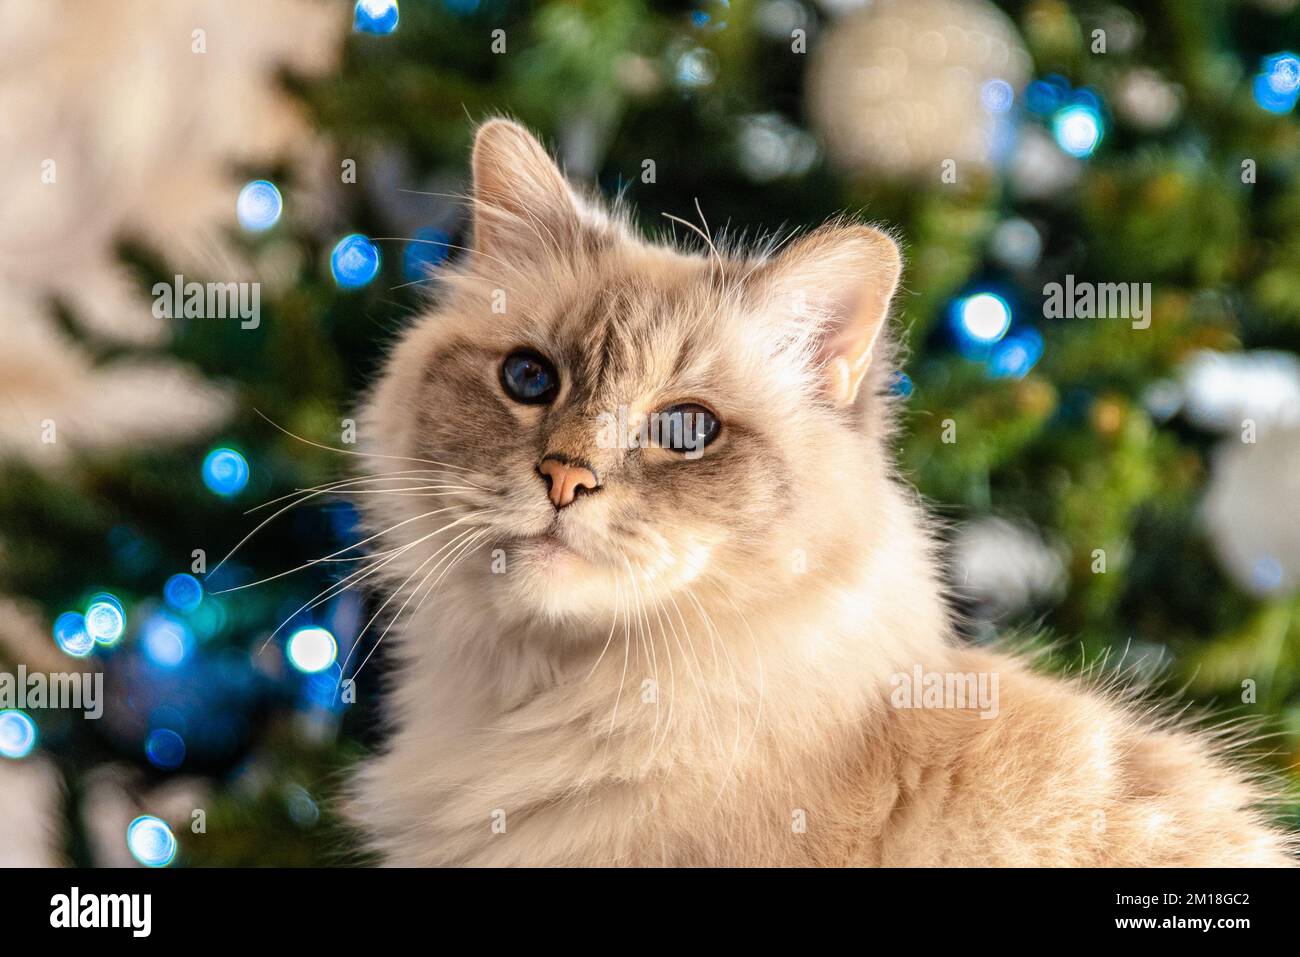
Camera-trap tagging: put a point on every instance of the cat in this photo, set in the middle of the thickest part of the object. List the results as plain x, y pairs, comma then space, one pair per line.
729, 647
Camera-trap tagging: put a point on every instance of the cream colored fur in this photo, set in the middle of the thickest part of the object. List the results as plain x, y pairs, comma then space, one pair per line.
705, 673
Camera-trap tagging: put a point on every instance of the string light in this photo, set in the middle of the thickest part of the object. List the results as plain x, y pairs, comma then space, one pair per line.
375, 16
151, 841
225, 472
17, 734
354, 261
259, 205
312, 650
71, 636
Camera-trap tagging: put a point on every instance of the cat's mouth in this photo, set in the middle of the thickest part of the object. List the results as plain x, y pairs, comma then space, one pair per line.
547, 546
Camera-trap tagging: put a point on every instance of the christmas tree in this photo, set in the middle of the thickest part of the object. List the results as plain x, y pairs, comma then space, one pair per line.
1100, 210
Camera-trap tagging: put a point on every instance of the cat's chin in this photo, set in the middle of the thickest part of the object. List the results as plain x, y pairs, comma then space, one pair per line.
552, 579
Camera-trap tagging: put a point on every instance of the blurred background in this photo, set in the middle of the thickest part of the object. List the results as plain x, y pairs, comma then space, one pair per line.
1126, 496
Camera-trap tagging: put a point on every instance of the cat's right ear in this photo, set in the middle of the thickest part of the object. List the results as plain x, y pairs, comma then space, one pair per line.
522, 203
836, 283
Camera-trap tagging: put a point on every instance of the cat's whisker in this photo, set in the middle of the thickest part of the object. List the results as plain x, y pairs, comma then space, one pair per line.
410, 475
477, 201
758, 654
612, 625
262, 524
622, 681
434, 242
335, 588
672, 677
367, 455
472, 536
532, 221
459, 556
373, 618
414, 490
708, 233
446, 276
646, 639
716, 641
334, 555
351, 579
705, 236
701, 682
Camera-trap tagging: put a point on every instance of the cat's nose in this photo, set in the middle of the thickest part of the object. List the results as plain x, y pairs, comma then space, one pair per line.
567, 478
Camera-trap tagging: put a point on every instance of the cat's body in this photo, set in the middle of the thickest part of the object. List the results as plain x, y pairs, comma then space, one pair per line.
700, 660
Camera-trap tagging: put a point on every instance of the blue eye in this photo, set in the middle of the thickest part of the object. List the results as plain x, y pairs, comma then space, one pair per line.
529, 377
688, 427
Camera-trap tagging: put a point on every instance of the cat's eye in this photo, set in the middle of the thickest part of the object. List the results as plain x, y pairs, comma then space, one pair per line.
687, 427
529, 377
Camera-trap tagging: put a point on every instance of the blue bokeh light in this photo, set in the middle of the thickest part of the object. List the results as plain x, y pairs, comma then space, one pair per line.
427, 248
1277, 85
105, 619
1282, 71
1047, 95
1266, 574
979, 320
165, 640
225, 472
183, 592
1078, 129
71, 636
1015, 355
151, 841
17, 734
165, 749
302, 808
375, 16
704, 20
312, 650
997, 96
259, 205
354, 261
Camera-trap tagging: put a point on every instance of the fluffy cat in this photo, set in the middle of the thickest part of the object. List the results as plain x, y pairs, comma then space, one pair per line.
612, 654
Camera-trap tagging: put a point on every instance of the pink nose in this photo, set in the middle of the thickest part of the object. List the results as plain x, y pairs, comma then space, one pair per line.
566, 479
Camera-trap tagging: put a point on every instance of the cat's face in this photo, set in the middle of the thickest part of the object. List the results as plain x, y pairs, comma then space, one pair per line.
629, 427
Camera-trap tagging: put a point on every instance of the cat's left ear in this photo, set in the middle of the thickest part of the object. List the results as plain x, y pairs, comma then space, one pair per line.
841, 279
523, 204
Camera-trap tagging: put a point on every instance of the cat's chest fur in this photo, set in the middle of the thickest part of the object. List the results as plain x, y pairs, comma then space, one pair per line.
1059, 776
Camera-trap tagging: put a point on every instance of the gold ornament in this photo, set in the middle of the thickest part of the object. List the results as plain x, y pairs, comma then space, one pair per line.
903, 86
